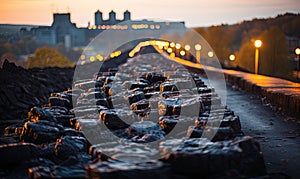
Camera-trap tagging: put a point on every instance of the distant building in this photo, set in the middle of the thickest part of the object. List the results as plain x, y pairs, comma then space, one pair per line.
44, 35
64, 31
112, 18
127, 24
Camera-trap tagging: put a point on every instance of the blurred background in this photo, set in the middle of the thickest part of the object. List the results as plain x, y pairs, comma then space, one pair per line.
54, 33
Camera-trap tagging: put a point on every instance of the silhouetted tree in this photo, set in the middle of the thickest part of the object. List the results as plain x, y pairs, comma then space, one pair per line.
274, 53
220, 38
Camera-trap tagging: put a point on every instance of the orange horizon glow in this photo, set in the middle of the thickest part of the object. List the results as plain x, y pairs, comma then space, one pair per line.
193, 12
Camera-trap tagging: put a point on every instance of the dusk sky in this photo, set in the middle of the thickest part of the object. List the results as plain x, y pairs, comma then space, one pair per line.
193, 12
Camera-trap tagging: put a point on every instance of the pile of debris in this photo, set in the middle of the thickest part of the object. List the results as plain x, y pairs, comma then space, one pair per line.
136, 121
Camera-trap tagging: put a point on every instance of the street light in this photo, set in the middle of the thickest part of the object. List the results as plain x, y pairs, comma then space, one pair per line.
198, 55
187, 47
172, 44
182, 52
257, 45
231, 57
210, 54
231, 60
297, 52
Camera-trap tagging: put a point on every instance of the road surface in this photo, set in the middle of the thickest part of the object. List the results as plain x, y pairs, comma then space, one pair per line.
278, 136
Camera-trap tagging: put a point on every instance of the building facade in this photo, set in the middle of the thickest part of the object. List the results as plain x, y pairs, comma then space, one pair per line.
64, 31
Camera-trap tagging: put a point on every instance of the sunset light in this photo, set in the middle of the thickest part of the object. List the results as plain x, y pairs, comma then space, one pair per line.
149, 89
193, 12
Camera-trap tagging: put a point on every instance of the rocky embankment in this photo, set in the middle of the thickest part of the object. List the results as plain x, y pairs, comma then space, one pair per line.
20, 89
145, 121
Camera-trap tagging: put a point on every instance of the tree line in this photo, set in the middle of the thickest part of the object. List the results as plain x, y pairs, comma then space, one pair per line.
239, 38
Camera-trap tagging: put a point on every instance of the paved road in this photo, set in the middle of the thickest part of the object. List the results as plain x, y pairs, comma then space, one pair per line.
279, 138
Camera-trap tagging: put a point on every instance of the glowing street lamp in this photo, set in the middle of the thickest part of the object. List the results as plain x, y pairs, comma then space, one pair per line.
198, 47
182, 52
257, 44
187, 47
297, 52
231, 60
210, 54
231, 57
169, 50
172, 44
198, 55
177, 46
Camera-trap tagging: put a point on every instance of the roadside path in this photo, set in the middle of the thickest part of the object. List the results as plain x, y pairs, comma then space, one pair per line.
279, 138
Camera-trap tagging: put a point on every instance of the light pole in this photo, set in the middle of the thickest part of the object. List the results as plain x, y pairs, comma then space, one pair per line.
297, 52
231, 59
198, 55
257, 45
177, 49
